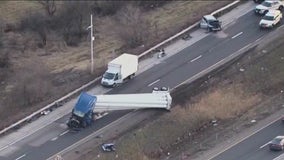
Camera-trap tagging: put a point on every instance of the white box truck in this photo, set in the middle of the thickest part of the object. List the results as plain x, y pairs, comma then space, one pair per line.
118, 70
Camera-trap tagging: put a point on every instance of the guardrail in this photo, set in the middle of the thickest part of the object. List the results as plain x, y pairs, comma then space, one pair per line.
62, 100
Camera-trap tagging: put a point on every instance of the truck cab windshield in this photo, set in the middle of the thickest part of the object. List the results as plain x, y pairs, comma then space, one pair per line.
78, 113
108, 75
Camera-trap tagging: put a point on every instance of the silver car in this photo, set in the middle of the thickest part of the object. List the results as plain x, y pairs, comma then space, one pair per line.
210, 23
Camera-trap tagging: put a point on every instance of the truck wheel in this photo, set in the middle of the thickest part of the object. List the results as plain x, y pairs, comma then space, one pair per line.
131, 76
84, 124
264, 13
280, 8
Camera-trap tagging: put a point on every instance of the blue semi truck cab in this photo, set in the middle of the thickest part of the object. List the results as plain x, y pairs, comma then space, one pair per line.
82, 114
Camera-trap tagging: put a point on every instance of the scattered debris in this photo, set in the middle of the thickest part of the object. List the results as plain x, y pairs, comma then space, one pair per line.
253, 121
108, 147
242, 69
186, 37
99, 136
264, 51
45, 112
161, 53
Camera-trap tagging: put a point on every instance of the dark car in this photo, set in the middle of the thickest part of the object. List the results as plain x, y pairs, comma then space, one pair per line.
277, 144
108, 147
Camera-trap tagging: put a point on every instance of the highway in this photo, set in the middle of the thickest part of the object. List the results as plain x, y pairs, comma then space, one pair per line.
255, 147
173, 71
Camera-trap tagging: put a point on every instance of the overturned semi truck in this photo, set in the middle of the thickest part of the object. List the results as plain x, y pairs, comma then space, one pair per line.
88, 105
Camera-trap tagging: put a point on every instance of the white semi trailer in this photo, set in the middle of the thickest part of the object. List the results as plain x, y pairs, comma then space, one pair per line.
88, 105
118, 70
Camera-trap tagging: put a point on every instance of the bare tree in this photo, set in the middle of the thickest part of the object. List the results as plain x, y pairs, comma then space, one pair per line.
131, 26
33, 85
38, 23
49, 6
71, 19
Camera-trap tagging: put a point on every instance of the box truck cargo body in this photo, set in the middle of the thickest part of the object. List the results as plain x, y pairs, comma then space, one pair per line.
121, 68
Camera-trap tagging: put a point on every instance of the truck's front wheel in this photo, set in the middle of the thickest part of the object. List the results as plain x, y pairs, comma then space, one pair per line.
84, 124
132, 76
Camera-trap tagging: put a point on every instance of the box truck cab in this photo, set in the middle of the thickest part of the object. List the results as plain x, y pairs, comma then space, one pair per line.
118, 70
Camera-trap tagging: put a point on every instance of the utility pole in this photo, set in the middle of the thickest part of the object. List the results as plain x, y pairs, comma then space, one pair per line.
92, 44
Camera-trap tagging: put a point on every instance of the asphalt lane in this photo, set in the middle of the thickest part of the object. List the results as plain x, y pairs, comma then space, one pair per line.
254, 147
173, 71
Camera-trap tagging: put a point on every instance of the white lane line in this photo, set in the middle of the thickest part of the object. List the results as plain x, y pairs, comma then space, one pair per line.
64, 133
265, 144
5, 147
281, 157
154, 82
196, 58
54, 139
235, 36
22, 156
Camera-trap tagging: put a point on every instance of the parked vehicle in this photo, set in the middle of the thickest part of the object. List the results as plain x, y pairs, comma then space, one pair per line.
108, 147
258, 1
210, 23
265, 6
121, 68
277, 144
88, 106
271, 18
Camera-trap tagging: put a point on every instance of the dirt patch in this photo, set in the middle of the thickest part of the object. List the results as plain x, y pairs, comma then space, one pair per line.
230, 100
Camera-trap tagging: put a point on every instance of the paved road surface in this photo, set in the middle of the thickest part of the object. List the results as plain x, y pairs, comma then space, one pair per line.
255, 147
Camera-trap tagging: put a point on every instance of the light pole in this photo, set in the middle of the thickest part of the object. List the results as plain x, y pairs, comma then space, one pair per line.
92, 44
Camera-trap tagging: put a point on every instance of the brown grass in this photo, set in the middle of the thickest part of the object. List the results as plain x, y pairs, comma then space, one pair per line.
13, 11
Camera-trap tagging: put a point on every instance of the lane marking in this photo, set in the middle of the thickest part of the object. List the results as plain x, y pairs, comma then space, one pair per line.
54, 139
64, 133
281, 157
153, 82
264, 145
235, 36
196, 58
4, 148
22, 156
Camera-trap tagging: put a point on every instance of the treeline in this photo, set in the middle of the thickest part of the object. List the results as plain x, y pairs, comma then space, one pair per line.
68, 20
